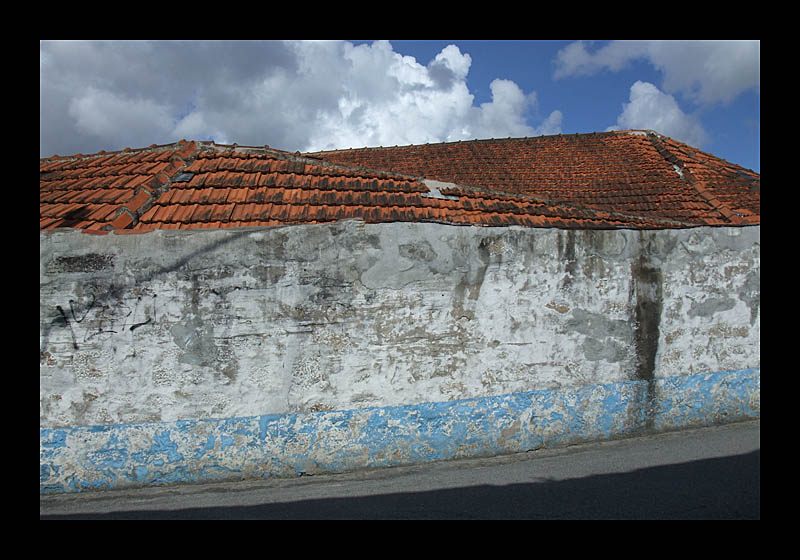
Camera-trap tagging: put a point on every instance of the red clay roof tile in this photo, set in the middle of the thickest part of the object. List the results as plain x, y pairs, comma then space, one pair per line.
138, 201
122, 221
629, 179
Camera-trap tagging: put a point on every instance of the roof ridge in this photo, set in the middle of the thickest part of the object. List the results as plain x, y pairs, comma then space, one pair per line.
266, 148
307, 158
180, 144
541, 137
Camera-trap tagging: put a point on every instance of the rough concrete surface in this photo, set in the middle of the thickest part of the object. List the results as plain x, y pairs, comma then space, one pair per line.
216, 324
195, 326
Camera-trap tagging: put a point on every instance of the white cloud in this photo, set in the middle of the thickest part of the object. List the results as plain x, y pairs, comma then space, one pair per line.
576, 60
450, 58
290, 95
387, 99
650, 108
702, 73
384, 98
505, 114
194, 126
551, 125
706, 72
507, 107
103, 113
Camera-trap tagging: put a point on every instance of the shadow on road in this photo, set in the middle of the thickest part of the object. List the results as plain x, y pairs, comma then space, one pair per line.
722, 488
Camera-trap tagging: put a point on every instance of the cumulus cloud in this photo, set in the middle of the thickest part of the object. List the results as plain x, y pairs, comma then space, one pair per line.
650, 108
706, 72
576, 60
702, 73
104, 113
551, 125
449, 67
291, 95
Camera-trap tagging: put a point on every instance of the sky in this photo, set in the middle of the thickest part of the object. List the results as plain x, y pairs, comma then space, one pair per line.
320, 95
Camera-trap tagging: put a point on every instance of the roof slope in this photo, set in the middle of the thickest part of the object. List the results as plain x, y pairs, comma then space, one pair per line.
544, 182
105, 190
636, 172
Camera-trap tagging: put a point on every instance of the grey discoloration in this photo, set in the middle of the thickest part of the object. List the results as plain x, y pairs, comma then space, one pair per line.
750, 293
609, 350
647, 315
421, 251
711, 306
219, 324
598, 325
647, 283
566, 252
91, 262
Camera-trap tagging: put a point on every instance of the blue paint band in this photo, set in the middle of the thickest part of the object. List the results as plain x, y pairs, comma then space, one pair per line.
280, 445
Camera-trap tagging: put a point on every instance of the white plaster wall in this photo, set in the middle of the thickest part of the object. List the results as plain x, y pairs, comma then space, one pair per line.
712, 295
175, 325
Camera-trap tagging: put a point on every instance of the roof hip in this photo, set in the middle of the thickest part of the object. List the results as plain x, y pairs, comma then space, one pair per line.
684, 168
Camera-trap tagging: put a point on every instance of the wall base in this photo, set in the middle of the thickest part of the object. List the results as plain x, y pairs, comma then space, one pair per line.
193, 451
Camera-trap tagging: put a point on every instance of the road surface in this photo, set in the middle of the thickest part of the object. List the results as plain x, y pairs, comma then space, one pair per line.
709, 473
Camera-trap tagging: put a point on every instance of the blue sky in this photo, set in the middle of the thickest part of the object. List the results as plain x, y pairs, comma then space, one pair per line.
593, 102
303, 96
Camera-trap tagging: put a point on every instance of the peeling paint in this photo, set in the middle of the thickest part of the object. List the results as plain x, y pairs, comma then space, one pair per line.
195, 451
229, 339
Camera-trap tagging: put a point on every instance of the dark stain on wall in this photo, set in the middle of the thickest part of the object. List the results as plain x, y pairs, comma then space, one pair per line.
566, 252
647, 282
91, 262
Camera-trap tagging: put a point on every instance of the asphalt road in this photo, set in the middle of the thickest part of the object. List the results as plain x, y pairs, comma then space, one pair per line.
709, 473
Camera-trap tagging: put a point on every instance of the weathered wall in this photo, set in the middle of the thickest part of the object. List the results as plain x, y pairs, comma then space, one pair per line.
195, 326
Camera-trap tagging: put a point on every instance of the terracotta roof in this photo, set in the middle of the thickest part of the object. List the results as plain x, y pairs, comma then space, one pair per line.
635, 172
609, 180
106, 190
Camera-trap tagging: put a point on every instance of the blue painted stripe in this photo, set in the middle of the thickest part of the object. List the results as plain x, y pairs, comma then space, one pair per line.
189, 451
